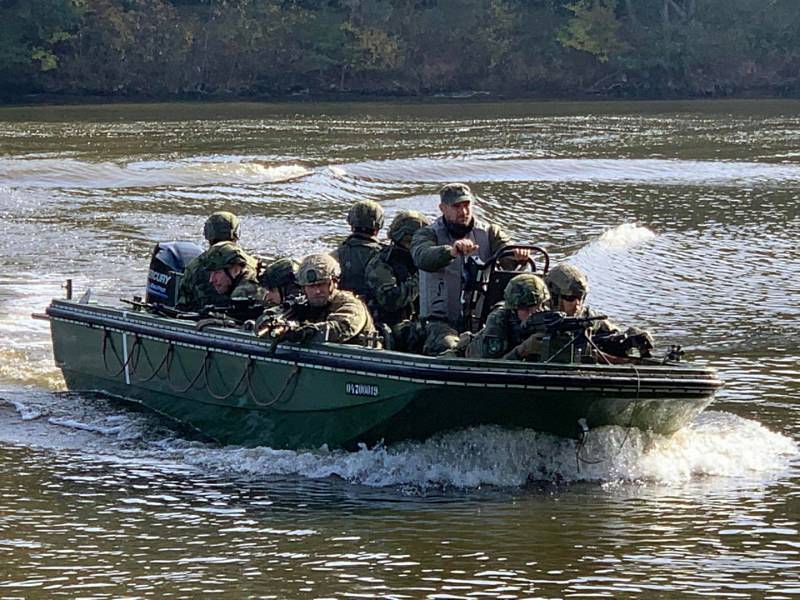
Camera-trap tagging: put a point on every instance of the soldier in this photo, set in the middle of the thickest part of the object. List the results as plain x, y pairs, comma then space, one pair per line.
230, 273
331, 314
279, 281
439, 252
568, 287
196, 290
353, 254
525, 294
391, 275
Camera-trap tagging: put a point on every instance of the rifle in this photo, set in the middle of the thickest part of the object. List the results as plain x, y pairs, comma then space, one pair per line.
239, 309
157, 308
279, 321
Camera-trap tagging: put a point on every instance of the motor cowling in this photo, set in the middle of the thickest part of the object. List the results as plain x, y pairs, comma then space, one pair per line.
167, 263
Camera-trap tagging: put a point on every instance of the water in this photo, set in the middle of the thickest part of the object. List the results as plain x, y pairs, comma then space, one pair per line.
685, 217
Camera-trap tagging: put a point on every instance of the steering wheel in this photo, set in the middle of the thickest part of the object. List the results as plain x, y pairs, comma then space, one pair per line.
508, 251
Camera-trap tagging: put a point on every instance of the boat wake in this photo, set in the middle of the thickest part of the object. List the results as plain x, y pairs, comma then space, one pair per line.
711, 447
194, 171
605, 170
491, 456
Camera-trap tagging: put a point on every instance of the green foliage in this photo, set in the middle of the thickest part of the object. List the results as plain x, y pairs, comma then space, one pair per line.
593, 29
240, 48
31, 32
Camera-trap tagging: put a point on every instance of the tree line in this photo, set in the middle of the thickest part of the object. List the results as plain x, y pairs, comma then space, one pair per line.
277, 48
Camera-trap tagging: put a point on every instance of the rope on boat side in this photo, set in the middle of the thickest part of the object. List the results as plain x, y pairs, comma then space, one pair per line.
583, 435
138, 351
194, 379
124, 362
245, 374
154, 370
276, 398
635, 407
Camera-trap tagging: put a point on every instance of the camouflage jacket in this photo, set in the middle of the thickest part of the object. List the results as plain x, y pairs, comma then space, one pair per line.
393, 285
353, 255
196, 290
341, 321
502, 332
504, 336
247, 286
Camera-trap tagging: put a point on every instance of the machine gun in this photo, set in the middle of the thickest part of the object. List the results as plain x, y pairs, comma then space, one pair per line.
552, 321
559, 337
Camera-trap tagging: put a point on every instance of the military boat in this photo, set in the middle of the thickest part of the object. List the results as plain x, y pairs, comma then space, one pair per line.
241, 389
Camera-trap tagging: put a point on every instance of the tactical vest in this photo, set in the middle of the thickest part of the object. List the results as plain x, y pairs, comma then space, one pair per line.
353, 255
402, 266
440, 291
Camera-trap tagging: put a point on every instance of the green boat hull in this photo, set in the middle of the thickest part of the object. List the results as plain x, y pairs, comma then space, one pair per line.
238, 389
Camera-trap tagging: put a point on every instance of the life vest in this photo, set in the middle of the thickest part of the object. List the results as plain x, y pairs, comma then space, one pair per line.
440, 291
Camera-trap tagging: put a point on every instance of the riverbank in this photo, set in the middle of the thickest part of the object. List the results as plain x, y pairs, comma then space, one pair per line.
463, 96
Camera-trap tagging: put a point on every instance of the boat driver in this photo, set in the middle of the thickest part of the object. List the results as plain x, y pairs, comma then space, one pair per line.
331, 314
439, 252
196, 290
568, 287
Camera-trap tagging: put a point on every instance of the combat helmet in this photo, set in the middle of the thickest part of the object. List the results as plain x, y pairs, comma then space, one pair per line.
224, 254
365, 215
525, 289
221, 226
279, 274
566, 280
317, 268
405, 223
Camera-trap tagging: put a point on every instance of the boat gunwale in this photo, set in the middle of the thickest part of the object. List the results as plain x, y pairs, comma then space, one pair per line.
641, 379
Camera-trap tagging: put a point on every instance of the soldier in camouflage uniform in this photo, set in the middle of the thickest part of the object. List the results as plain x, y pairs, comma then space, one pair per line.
391, 275
279, 280
568, 287
196, 290
331, 314
439, 252
230, 273
365, 219
503, 335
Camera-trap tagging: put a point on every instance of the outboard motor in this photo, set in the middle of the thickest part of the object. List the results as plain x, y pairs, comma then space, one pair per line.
167, 263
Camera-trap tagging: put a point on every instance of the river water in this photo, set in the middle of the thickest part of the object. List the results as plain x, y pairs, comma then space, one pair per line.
686, 217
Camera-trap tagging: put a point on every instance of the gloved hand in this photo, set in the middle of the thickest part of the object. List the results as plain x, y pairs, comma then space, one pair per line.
301, 335
641, 340
530, 349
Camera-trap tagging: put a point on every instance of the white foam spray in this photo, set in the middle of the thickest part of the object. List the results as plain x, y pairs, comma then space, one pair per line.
497, 457
709, 448
624, 236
